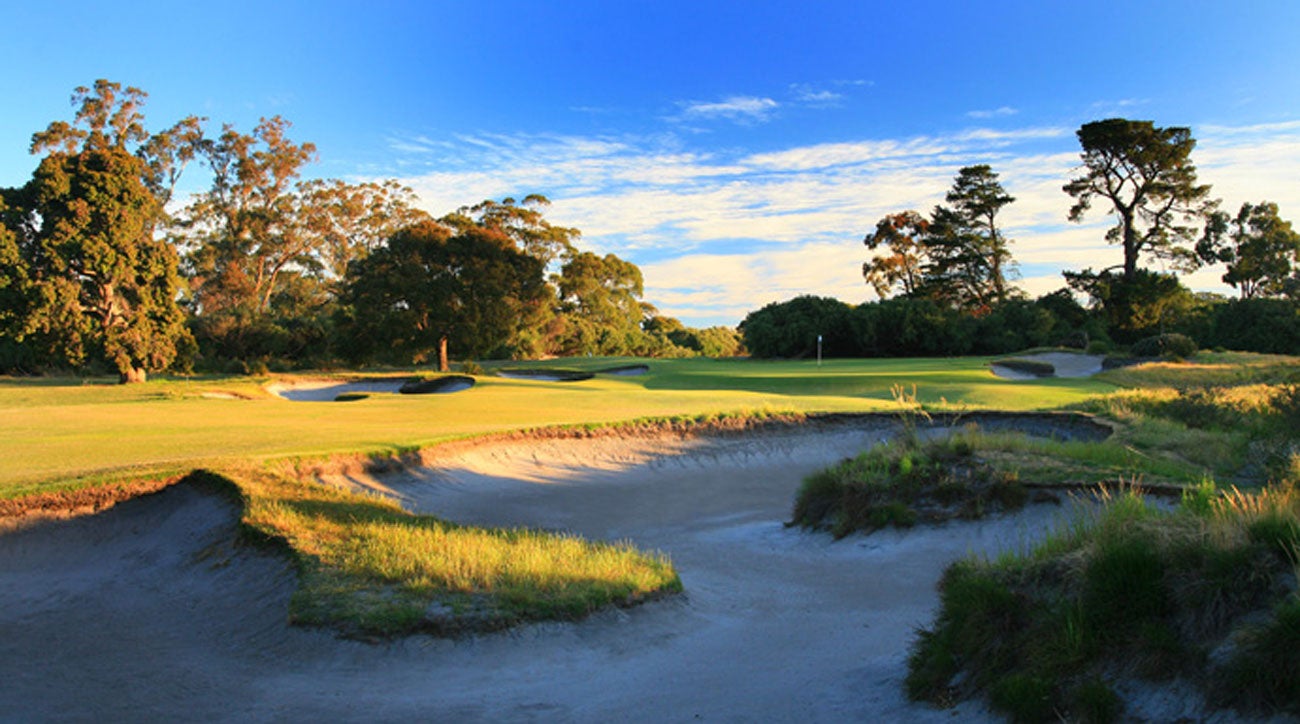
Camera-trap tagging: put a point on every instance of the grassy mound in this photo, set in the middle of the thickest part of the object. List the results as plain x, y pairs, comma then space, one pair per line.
1206, 592
904, 483
369, 568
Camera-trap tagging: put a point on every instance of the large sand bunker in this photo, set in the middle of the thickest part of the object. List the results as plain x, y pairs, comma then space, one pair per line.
1064, 364
151, 611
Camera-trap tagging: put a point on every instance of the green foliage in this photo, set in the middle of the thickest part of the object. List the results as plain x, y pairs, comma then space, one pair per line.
1172, 345
904, 483
89, 282
1259, 248
425, 291
1256, 325
1025, 697
1264, 671
1137, 304
1145, 173
600, 306
790, 329
1126, 589
957, 258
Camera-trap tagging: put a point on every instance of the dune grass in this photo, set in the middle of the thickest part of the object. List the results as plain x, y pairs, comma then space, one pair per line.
1205, 592
368, 568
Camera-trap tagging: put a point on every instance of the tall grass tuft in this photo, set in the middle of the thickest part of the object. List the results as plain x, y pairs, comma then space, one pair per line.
1126, 588
370, 568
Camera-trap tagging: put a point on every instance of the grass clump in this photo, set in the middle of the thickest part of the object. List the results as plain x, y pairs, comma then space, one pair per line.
904, 483
370, 568
1126, 589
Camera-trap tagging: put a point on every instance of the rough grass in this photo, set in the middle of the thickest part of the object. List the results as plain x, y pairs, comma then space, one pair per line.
1126, 589
370, 568
903, 483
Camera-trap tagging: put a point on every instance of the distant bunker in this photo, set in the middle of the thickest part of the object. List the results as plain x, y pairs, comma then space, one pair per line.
332, 391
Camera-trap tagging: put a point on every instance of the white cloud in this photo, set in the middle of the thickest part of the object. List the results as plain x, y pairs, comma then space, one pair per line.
736, 108
1000, 112
718, 234
810, 95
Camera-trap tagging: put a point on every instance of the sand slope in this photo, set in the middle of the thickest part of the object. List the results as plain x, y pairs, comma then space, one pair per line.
150, 611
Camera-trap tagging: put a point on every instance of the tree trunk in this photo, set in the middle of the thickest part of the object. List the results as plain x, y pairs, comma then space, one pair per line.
132, 374
443, 366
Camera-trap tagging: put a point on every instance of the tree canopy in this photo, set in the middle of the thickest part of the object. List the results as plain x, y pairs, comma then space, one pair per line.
1146, 175
1261, 249
427, 290
94, 281
957, 257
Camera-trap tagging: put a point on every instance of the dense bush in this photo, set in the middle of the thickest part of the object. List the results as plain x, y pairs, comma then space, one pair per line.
1256, 325
906, 327
1165, 345
790, 329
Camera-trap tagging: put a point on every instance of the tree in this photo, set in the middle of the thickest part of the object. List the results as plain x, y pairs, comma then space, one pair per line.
1147, 176
902, 234
600, 303
524, 222
100, 286
349, 221
427, 290
957, 257
977, 197
790, 329
243, 233
1260, 249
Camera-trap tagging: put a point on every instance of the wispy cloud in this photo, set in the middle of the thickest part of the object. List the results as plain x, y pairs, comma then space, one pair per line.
1001, 112
720, 233
741, 109
810, 95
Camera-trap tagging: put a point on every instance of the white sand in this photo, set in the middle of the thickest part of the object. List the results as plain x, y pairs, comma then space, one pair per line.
149, 612
327, 391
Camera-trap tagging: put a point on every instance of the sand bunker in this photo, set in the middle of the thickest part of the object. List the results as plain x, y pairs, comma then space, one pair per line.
328, 391
1066, 364
151, 611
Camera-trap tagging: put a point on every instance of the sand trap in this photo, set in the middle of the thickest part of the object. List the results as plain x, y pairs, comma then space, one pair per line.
1067, 364
149, 611
328, 391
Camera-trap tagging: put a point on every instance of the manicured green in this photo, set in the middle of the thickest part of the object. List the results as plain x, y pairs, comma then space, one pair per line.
54, 432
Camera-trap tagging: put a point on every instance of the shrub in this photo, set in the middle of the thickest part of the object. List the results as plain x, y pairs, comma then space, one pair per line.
1165, 345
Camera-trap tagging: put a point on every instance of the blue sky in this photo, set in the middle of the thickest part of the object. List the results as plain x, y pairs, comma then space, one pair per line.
736, 151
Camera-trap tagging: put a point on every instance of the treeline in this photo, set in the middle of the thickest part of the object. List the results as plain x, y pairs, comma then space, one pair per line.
948, 270
101, 268
906, 327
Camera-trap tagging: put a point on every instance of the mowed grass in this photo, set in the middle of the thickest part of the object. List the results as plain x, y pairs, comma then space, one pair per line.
59, 433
